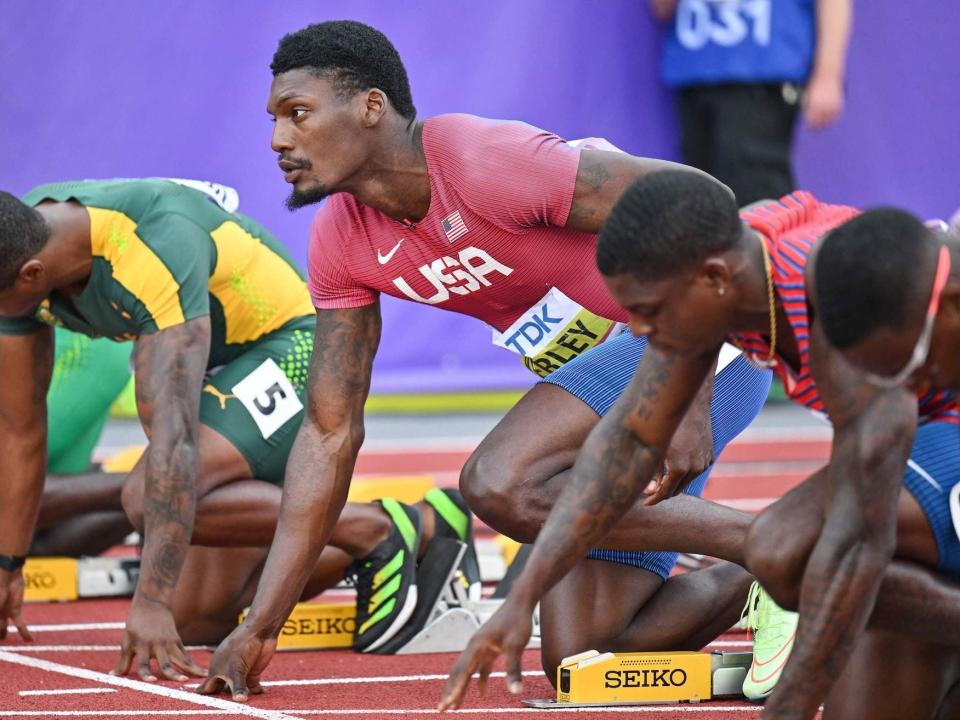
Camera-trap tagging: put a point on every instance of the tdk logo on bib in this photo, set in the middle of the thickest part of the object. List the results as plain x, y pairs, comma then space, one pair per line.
553, 332
462, 275
537, 326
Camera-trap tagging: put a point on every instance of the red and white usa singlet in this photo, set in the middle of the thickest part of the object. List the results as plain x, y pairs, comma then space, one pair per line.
790, 227
492, 245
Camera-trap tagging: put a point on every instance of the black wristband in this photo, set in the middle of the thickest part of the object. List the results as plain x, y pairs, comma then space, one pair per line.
12, 562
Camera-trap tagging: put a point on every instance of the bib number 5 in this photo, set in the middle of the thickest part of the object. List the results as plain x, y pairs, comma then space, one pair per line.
269, 397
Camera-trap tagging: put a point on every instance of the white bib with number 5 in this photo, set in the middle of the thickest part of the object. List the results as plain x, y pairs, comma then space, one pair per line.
269, 397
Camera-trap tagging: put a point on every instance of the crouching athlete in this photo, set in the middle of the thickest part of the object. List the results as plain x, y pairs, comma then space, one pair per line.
223, 329
496, 220
862, 540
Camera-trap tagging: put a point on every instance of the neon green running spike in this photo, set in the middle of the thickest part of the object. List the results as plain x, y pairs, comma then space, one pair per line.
774, 630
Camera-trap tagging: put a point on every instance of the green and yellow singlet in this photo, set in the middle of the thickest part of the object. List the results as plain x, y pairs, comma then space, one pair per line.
164, 254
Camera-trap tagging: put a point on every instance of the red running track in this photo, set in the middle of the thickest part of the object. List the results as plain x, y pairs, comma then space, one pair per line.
63, 673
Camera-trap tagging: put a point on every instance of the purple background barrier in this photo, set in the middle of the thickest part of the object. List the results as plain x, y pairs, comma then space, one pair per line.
120, 89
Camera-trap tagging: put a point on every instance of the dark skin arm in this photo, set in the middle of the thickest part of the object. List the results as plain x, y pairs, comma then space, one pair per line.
170, 366
315, 490
873, 435
602, 176
621, 454
26, 363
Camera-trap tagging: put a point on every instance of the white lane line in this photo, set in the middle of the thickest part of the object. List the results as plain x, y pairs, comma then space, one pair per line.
731, 643
80, 648
637, 709
666, 709
61, 648
380, 679
72, 626
170, 693
67, 691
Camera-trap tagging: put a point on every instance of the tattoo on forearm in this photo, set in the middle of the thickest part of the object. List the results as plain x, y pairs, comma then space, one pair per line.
170, 369
608, 476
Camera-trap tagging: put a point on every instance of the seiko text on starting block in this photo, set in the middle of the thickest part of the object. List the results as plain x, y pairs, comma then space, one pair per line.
315, 626
592, 678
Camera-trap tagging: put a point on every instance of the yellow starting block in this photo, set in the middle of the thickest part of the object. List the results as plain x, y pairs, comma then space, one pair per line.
315, 626
49, 579
592, 678
405, 488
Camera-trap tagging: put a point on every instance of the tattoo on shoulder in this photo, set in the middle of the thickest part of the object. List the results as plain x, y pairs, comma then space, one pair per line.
593, 171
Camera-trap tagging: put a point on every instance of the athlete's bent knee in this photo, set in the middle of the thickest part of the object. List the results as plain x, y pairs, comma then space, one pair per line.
775, 561
492, 489
131, 497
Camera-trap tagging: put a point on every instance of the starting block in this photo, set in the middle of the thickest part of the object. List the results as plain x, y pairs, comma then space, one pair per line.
404, 488
53, 579
50, 579
317, 626
445, 618
593, 679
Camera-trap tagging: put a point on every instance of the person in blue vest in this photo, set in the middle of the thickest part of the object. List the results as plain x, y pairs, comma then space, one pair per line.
743, 69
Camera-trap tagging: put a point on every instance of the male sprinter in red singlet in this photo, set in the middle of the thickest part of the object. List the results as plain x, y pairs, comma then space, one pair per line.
496, 220
888, 294
693, 274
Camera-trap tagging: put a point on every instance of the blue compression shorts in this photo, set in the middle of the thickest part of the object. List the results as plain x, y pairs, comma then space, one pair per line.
599, 376
933, 471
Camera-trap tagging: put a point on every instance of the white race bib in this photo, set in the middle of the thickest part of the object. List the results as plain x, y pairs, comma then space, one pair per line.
269, 397
553, 332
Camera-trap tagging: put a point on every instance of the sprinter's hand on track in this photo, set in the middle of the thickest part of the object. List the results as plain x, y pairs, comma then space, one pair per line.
11, 603
506, 633
238, 664
151, 634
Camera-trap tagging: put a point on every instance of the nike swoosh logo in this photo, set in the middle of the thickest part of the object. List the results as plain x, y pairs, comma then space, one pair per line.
384, 259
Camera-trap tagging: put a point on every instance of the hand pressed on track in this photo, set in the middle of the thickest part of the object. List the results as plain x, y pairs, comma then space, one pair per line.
151, 634
238, 664
11, 603
507, 632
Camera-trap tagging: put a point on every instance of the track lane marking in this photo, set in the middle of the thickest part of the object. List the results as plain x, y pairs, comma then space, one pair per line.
170, 693
412, 711
71, 626
84, 648
67, 691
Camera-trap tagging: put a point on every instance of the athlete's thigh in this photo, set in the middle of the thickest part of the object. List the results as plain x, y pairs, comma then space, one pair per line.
591, 607
542, 433
255, 402
891, 677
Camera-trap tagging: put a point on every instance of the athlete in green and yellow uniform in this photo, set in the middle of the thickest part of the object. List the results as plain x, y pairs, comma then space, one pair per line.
223, 329
164, 254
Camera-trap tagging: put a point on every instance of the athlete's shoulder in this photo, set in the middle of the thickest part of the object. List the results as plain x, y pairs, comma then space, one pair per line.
510, 172
800, 212
459, 134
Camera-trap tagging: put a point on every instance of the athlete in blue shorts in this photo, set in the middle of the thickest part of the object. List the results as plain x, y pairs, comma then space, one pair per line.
496, 220
525, 462
863, 540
